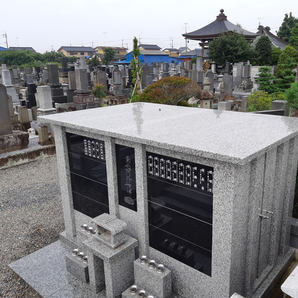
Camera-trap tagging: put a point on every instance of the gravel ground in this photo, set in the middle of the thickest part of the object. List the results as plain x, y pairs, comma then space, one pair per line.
30, 218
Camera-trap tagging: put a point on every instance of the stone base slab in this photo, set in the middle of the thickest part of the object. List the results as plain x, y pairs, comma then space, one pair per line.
83, 99
16, 141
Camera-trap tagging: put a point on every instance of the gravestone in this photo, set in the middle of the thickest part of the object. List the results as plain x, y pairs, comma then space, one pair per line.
199, 64
83, 64
146, 72
53, 76
28, 70
228, 81
82, 94
227, 68
9, 140
56, 88
31, 95
117, 76
238, 74
5, 124
72, 80
81, 79
29, 79
45, 100
10, 89
6, 78
200, 78
72, 86
194, 75
210, 75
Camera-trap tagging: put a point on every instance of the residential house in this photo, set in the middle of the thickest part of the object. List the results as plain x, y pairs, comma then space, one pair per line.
120, 52
149, 47
173, 52
73, 51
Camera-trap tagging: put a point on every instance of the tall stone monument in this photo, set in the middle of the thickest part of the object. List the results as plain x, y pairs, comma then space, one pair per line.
9, 140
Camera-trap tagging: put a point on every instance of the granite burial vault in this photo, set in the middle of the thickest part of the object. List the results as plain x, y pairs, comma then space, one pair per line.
206, 203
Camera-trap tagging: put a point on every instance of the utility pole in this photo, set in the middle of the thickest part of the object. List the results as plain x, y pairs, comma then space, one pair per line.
105, 37
185, 38
122, 43
5, 35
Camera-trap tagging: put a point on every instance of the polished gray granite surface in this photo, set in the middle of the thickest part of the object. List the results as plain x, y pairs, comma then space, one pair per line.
223, 135
45, 271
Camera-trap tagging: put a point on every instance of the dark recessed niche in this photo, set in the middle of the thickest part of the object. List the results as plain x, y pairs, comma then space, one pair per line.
125, 158
180, 204
88, 175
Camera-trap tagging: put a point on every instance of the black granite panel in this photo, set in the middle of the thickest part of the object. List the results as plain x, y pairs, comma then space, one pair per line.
89, 188
85, 146
181, 199
125, 157
88, 167
183, 226
88, 206
180, 172
181, 250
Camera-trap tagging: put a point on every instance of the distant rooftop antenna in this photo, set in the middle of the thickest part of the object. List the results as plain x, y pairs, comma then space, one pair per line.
260, 20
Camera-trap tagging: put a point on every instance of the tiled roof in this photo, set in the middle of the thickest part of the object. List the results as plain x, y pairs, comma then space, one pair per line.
114, 48
77, 49
276, 41
149, 47
217, 27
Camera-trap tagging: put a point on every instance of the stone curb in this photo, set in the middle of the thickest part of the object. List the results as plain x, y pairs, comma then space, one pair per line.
26, 156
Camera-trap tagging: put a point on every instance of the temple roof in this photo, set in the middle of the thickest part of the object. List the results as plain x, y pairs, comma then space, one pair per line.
217, 27
275, 41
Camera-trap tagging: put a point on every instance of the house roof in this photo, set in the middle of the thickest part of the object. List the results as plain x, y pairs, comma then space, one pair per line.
76, 49
22, 49
3, 49
153, 52
150, 47
219, 26
275, 41
114, 48
171, 49
194, 53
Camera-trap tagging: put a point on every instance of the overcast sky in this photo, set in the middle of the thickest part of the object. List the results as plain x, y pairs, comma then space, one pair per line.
46, 25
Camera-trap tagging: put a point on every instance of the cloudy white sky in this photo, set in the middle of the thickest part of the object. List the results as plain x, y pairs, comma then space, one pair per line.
46, 25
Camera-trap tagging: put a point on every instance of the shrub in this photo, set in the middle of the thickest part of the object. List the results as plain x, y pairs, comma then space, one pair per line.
98, 91
259, 101
170, 90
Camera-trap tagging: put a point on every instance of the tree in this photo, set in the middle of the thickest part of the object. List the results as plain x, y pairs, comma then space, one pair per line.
136, 69
108, 56
285, 74
230, 47
94, 61
294, 37
171, 90
284, 31
292, 97
263, 50
287, 52
276, 52
265, 80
